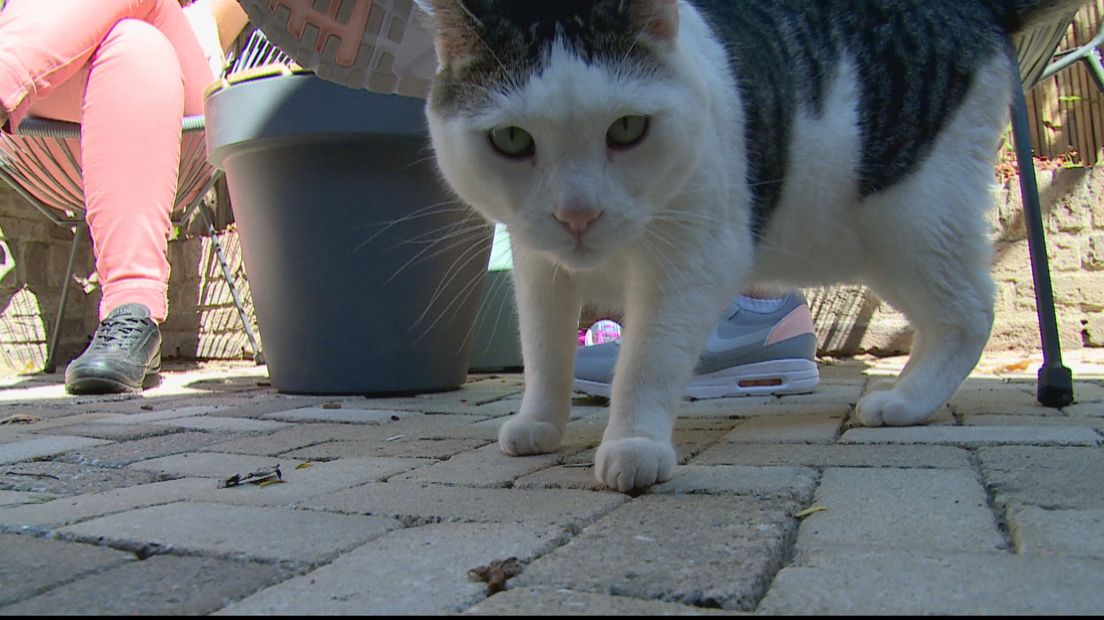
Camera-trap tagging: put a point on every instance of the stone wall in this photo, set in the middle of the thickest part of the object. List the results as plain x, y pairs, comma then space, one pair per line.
851, 319
204, 325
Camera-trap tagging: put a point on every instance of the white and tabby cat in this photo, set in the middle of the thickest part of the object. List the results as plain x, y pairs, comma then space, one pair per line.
658, 156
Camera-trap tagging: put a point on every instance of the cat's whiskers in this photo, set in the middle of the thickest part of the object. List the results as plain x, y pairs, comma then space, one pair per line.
426, 254
503, 302
427, 211
474, 252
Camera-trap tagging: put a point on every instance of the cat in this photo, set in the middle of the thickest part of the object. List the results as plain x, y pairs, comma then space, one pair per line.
660, 155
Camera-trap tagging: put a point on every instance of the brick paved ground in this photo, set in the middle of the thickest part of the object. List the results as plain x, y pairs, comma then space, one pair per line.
113, 505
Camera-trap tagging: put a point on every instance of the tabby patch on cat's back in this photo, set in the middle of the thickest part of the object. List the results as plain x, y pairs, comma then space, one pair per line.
657, 156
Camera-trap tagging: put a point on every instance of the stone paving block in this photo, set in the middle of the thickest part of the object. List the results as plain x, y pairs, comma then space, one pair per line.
1036, 530
835, 455
343, 415
943, 509
919, 582
68, 479
160, 585
294, 438
212, 464
293, 537
302, 484
551, 602
1041, 476
568, 476
416, 571
1090, 409
123, 453
400, 445
45, 516
32, 565
974, 435
787, 429
792, 483
11, 499
38, 447
751, 407
486, 467
415, 504
228, 425
158, 416
715, 551
113, 432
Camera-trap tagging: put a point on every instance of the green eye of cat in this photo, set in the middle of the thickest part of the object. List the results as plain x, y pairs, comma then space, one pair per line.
627, 131
513, 142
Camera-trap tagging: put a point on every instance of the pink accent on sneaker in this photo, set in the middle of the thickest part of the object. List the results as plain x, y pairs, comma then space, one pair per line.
348, 34
798, 321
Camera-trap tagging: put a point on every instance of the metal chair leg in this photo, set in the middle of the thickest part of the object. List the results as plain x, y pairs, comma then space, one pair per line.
258, 355
1055, 387
52, 343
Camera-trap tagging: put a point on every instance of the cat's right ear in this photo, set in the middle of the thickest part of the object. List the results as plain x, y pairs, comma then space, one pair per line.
455, 32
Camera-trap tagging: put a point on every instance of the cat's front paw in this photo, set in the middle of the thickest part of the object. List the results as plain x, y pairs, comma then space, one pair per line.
520, 436
634, 463
890, 408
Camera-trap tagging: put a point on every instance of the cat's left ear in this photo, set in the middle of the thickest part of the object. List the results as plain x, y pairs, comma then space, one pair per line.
658, 18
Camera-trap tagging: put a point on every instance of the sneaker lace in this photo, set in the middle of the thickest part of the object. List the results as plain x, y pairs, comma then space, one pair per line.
118, 329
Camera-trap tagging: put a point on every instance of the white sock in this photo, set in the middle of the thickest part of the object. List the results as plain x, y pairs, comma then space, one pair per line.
759, 304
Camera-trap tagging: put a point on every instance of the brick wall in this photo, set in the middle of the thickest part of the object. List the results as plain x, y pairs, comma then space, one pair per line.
202, 322
851, 319
204, 325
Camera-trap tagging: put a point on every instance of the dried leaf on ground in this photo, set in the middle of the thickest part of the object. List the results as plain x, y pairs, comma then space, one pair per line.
496, 573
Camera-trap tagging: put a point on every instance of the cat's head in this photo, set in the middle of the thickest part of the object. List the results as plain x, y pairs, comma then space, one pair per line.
572, 122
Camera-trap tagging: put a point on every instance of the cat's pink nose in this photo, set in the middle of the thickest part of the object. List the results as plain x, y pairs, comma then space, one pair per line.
577, 220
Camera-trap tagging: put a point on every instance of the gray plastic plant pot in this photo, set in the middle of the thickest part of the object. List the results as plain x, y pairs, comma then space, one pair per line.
360, 282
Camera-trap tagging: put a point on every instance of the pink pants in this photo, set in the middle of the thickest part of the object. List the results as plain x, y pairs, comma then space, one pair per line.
128, 70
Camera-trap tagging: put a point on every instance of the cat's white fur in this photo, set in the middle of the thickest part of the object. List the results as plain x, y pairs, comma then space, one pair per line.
672, 245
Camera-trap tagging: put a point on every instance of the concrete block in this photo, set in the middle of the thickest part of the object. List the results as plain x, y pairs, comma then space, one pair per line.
39, 447
68, 479
718, 551
33, 565
346, 415
942, 509
1041, 476
216, 424
160, 585
43, 516
552, 602
485, 467
974, 435
415, 504
291, 537
835, 455
1064, 533
416, 571
787, 429
915, 582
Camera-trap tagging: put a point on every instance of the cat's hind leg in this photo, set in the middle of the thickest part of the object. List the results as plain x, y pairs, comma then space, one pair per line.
948, 299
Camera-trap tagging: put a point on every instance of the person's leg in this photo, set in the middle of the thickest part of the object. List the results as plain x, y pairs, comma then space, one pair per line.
130, 150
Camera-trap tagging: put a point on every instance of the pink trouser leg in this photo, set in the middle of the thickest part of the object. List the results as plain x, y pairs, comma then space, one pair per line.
127, 70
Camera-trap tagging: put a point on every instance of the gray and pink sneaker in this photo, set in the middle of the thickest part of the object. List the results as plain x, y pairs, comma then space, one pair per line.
748, 353
378, 45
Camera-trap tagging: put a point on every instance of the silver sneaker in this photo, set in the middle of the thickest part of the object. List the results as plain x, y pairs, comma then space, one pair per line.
748, 353
378, 45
